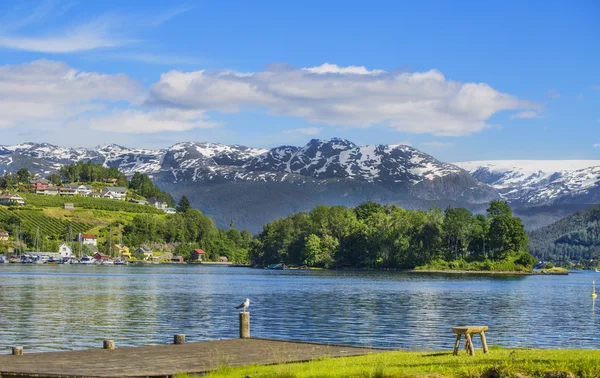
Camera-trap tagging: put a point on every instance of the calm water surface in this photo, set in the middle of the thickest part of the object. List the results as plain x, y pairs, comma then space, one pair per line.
74, 307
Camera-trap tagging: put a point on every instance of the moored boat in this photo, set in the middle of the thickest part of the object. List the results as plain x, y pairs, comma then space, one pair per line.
87, 260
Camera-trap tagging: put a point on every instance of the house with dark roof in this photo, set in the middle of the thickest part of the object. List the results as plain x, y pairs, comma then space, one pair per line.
158, 202
143, 253
114, 192
11, 199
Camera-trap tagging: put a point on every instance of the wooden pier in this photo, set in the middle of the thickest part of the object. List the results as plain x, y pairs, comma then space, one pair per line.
167, 360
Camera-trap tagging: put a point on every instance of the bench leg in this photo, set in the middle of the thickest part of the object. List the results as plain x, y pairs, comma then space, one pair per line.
470, 345
456, 345
483, 342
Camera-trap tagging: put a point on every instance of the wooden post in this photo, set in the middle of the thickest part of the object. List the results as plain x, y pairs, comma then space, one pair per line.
179, 339
456, 345
17, 351
470, 344
483, 341
108, 344
244, 325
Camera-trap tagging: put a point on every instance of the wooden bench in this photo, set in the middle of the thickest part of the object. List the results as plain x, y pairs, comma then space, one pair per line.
468, 331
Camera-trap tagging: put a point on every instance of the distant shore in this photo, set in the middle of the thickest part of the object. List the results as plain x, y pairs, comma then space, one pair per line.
492, 272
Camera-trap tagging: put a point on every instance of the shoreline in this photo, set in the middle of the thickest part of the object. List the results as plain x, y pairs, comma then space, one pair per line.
504, 272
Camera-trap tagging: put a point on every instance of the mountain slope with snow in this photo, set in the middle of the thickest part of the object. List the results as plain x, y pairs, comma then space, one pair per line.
540, 182
253, 186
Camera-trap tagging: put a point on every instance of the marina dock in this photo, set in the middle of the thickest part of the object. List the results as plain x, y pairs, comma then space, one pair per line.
168, 360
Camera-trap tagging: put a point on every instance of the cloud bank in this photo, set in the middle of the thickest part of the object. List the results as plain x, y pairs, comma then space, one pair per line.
52, 93
420, 102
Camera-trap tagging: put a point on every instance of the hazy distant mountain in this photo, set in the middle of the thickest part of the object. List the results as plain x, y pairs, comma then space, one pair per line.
576, 237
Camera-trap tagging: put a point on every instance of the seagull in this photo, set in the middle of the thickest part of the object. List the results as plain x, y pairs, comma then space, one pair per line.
244, 305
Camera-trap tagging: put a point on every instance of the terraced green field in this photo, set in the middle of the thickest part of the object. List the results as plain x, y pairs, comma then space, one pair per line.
47, 225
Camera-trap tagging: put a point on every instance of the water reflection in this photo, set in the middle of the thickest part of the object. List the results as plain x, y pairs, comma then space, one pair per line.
75, 307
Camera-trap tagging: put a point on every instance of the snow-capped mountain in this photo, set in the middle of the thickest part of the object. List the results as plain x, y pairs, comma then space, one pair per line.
398, 168
540, 182
253, 186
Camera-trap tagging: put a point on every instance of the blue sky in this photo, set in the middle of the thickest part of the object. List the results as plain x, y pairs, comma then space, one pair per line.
464, 80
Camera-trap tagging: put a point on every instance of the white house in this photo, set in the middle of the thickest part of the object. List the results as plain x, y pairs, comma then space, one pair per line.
143, 253
11, 199
49, 191
65, 251
88, 239
72, 189
114, 192
3, 235
159, 203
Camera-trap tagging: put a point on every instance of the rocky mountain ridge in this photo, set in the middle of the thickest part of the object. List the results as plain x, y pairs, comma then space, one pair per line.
253, 186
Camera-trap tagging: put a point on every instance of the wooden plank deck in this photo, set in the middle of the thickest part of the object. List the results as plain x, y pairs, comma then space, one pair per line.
167, 360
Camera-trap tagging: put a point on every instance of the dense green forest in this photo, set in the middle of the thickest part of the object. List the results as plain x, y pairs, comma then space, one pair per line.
575, 238
375, 236
88, 172
189, 230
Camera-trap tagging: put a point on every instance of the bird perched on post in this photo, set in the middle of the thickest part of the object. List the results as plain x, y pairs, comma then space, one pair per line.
244, 305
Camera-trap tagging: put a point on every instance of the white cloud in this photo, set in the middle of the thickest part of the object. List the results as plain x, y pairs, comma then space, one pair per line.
420, 102
436, 144
49, 90
580, 96
553, 94
596, 145
526, 114
327, 68
107, 31
43, 94
94, 34
595, 87
305, 131
139, 121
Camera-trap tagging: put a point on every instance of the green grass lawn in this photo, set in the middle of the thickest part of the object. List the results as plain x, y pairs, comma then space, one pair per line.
498, 363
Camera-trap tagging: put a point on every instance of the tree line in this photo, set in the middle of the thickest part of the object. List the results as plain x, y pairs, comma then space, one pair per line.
375, 236
188, 229
573, 239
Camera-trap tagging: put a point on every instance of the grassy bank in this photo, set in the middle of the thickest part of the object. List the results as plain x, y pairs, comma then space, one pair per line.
498, 363
512, 264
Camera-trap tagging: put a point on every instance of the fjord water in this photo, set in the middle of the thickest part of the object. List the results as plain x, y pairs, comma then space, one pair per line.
75, 307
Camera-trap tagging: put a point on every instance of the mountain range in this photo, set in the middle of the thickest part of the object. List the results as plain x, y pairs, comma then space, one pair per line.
252, 186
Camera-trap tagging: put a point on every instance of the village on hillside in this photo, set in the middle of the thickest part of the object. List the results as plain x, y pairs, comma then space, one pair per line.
21, 189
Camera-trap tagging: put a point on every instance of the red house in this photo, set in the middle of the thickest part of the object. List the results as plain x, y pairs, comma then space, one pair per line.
40, 184
100, 256
197, 255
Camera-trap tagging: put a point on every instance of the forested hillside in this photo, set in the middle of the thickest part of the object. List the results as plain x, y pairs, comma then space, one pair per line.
574, 238
375, 236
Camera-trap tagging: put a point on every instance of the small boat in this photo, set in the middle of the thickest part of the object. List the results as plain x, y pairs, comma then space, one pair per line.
107, 262
53, 261
280, 266
14, 259
121, 262
597, 270
87, 260
3, 260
